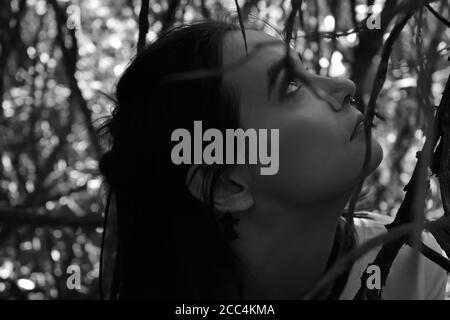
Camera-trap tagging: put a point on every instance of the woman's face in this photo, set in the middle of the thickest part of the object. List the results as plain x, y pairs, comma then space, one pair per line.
317, 159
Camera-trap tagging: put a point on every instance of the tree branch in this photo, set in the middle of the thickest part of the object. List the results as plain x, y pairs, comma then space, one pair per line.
346, 261
70, 56
437, 15
18, 217
143, 25
169, 16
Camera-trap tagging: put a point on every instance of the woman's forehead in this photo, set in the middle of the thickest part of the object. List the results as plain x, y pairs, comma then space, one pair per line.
234, 46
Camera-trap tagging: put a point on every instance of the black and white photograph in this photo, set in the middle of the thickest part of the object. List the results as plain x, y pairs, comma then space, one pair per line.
224, 157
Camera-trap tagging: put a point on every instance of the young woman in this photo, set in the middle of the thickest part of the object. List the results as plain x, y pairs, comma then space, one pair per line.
220, 231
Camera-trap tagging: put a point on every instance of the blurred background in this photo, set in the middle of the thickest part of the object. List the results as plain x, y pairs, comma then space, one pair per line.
60, 61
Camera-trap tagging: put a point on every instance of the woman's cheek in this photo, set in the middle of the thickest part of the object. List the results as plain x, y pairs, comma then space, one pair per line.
304, 174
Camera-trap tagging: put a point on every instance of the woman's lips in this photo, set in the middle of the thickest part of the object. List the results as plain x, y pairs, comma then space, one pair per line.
359, 126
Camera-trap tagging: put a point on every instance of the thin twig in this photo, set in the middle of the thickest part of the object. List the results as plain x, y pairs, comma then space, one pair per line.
169, 16
437, 15
205, 12
143, 25
241, 24
18, 217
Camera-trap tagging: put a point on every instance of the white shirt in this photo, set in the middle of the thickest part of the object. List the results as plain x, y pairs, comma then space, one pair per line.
412, 276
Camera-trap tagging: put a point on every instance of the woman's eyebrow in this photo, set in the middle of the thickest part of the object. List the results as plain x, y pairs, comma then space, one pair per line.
272, 73
275, 69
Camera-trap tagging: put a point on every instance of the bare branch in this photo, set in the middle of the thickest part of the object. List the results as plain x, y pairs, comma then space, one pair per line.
18, 217
205, 12
437, 15
391, 251
169, 16
346, 261
143, 24
241, 24
443, 150
70, 56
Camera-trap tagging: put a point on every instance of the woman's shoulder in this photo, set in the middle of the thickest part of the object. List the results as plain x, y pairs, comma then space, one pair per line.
412, 275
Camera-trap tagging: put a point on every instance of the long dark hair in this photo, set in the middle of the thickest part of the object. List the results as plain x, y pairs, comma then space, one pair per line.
169, 245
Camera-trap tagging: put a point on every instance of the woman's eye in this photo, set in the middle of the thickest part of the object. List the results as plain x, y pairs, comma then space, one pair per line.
293, 86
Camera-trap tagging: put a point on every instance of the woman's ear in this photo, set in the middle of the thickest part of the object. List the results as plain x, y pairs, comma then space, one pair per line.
232, 193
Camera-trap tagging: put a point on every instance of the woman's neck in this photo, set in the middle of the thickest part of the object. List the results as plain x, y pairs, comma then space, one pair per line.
284, 251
